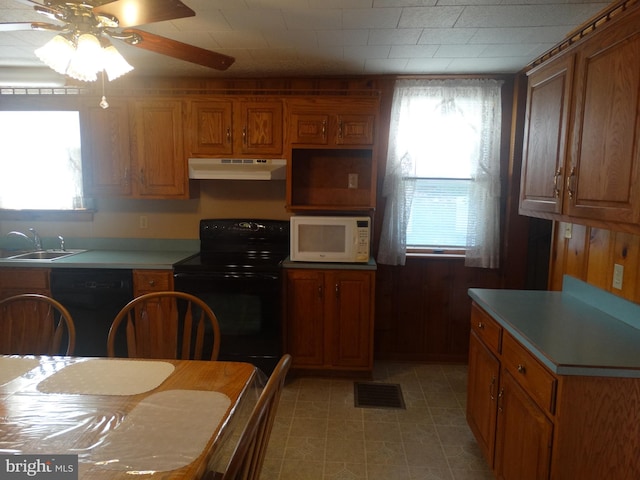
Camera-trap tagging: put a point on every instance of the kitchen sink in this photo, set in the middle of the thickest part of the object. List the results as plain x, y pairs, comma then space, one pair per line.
45, 255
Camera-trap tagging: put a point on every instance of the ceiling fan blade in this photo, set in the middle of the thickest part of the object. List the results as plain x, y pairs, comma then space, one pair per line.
179, 50
17, 26
140, 12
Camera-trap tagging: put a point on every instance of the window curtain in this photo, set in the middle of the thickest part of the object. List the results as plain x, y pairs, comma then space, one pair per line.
480, 100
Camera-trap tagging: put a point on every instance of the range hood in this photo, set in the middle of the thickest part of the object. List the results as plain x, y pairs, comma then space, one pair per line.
238, 168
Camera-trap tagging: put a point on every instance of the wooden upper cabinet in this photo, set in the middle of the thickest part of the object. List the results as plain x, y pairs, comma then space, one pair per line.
604, 179
545, 137
226, 126
333, 122
211, 127
106, 149
160, 166
261, 127
581, 156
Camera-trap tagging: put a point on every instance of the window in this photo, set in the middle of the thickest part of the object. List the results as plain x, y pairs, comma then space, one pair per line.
40, 160
442, 183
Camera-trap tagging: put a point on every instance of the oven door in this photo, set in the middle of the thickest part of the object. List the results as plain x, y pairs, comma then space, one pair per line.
248, 309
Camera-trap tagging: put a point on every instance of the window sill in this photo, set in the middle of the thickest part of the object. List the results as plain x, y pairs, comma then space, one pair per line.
452, 253
80, 215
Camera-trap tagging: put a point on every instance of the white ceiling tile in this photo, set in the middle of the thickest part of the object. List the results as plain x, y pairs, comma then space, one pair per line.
297, 19
342, 37
372, 18
367, 51
413, 51
446, 35
427, 65
518, 35
426, 17
387, 36
290, 38
459, 51
254, 19
387, 65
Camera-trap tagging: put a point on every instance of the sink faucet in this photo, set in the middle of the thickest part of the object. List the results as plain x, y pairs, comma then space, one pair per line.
37, 242
61, 238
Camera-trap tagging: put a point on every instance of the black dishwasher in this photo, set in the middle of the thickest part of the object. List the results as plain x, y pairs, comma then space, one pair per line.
93, 296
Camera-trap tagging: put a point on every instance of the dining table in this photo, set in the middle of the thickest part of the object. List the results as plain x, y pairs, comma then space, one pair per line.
126, 418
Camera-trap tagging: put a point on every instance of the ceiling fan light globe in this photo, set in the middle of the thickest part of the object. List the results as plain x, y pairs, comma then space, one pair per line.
114, 63
86, 62
56, 53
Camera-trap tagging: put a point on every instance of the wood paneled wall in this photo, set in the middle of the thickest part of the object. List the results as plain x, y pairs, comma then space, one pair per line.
590, 253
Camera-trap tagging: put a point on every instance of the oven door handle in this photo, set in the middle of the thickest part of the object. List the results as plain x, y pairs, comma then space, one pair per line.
228, 275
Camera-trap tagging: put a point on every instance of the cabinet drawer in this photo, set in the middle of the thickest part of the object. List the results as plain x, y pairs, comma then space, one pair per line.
486, 328
24, 278
529, 373
145, 281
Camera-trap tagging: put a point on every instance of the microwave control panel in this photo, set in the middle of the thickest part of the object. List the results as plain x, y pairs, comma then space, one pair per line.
362, 247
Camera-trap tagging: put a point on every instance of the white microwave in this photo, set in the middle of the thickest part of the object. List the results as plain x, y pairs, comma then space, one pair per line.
330, 239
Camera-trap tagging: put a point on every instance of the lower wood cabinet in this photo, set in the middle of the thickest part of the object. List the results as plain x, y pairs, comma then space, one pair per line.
15, 281
533, 424
329, 318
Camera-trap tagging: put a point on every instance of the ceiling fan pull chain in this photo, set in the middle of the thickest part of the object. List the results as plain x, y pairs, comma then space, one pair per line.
103, 103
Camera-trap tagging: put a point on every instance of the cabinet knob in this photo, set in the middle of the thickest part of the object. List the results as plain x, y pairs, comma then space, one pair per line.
228, 135
152, 282
481, 325
522, 369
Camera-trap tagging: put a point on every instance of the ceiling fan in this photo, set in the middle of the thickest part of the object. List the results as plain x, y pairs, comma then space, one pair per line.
104, 20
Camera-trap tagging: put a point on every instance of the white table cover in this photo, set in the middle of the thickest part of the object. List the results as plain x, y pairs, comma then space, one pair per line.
165, 431
101, 376
14, 367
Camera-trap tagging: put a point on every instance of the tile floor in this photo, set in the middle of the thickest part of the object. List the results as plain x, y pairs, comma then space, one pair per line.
320, 435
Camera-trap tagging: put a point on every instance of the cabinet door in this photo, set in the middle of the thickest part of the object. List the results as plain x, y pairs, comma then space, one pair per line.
604, 180
482, 393
309, 128
261, 128
106, 149
354, 129
545, 137
159, 154
351, 297
524, 435
211, 125
305, 317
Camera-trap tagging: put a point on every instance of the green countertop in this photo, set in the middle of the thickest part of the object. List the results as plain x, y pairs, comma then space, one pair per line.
132, 259
581, 330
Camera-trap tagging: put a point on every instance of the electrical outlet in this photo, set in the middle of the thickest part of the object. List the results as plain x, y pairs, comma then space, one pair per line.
353, 180
568, 227
143, 221
618, 273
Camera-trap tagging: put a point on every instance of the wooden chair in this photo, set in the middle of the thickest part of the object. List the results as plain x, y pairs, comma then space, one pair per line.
248, 456
34, 324
167, 324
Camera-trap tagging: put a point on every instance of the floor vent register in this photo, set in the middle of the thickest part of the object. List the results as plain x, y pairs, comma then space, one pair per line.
378, 395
